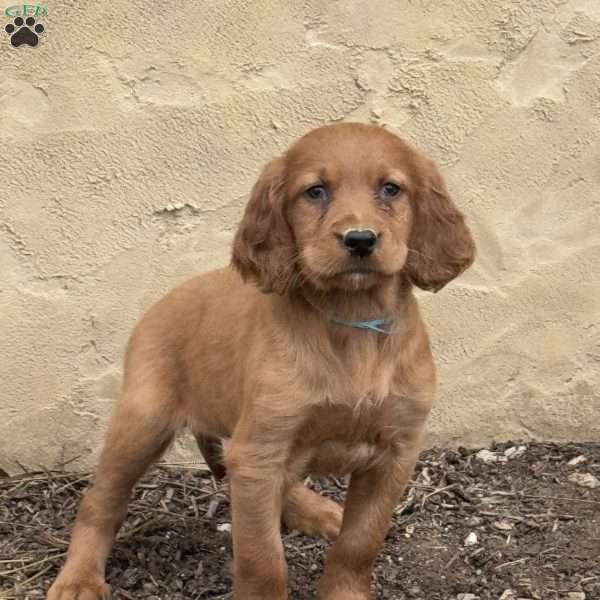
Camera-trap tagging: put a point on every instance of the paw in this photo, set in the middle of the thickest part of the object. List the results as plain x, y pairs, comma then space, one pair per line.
67, 587
344, 595
339, 583
24, 31
328, 519
314, 515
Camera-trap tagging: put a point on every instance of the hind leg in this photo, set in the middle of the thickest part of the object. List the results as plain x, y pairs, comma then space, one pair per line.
212, 451
312, 513
140, 430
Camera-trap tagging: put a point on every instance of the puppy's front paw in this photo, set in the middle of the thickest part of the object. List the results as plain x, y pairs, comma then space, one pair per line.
79, 587
342, 584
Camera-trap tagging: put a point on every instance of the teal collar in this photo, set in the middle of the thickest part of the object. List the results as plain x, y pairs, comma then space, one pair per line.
383, 325
379, 325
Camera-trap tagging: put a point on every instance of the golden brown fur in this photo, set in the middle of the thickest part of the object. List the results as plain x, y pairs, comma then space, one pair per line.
251, 355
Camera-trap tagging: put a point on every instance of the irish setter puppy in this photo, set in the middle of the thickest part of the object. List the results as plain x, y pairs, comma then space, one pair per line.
307, 356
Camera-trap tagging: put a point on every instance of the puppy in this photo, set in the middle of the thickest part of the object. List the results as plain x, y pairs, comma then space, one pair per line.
308, 355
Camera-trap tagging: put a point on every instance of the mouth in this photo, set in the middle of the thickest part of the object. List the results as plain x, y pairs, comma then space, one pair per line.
356, 277
363, 271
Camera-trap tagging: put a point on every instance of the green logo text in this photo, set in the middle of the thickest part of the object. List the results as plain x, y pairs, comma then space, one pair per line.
24, 10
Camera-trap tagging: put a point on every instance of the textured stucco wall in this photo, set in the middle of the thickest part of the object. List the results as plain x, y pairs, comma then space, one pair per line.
131, 135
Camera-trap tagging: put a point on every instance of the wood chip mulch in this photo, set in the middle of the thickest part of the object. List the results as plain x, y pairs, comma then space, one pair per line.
516, 521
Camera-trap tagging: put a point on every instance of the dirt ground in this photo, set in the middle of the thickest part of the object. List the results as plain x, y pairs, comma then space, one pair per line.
515, 521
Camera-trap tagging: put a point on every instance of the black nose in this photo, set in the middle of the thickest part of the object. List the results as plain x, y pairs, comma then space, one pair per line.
360, 242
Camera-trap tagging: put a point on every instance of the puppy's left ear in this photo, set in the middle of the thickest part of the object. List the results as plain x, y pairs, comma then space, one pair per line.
264, 247
440, 246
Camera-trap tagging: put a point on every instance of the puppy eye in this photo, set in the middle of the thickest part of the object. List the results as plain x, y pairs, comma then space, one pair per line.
390, 190
318, 193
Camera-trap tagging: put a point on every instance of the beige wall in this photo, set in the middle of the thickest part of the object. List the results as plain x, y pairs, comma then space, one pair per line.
131, 135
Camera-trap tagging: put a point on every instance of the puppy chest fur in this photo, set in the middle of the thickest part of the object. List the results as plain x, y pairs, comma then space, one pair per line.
343, 438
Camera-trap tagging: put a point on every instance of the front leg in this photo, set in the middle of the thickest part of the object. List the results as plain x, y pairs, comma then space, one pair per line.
256, 463
372, 498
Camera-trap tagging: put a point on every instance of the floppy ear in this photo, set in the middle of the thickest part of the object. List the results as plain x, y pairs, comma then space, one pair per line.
263, 247
440, 244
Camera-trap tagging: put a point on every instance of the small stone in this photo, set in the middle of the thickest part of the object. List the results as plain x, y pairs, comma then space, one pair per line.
515, 451
467, 597
489, 457
503, 525
507, 595
577, 460
584, 480
575, 596
471, 539
224, 527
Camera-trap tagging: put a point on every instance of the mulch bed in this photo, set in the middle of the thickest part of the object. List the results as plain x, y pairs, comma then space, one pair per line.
516, 521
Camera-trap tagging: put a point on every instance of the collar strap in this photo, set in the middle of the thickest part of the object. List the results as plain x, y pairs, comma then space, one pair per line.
384, 326
379, 325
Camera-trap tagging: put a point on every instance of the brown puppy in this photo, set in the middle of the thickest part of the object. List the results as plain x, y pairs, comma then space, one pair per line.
309, 356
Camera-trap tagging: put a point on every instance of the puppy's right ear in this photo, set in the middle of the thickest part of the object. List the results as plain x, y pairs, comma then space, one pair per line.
264, 246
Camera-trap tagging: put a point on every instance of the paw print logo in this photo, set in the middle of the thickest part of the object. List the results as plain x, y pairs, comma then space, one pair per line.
24, 32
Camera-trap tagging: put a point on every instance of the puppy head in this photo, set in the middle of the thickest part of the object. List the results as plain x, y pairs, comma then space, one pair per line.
346, 207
